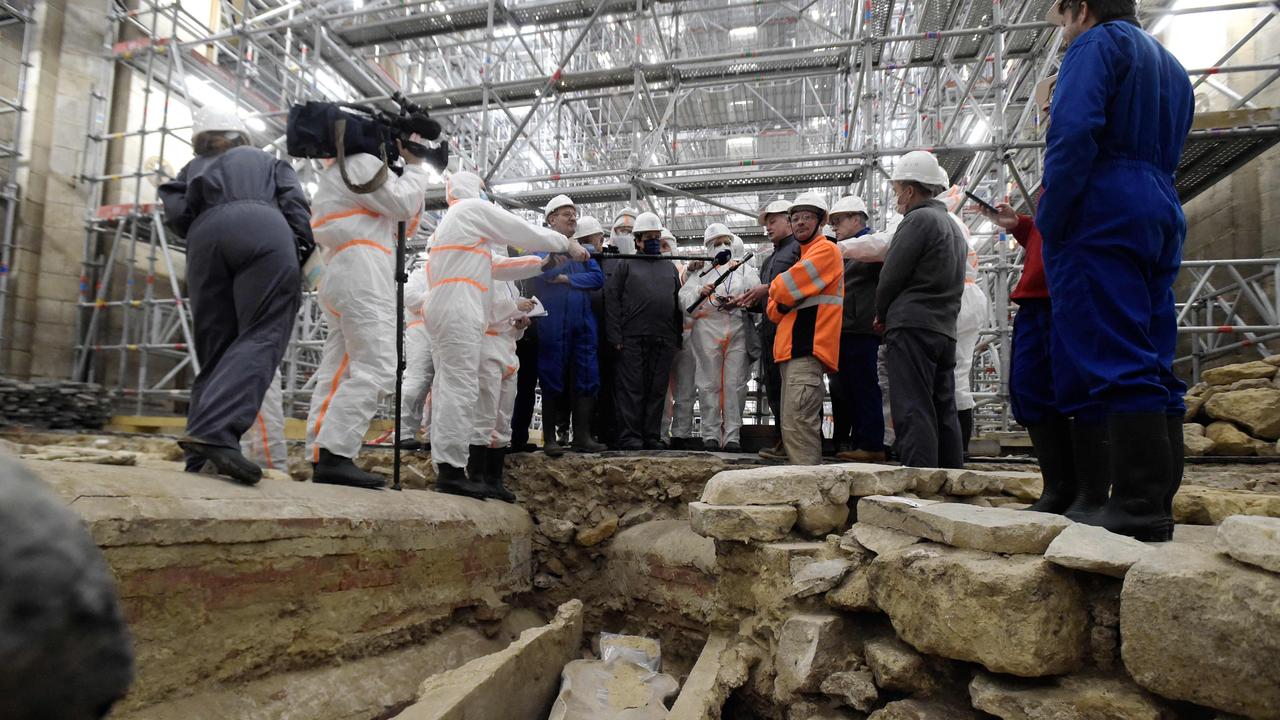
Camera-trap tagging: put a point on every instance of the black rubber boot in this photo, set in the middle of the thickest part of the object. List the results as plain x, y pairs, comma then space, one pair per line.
710, 445
495, 469
478, 464
1143, 472
732, 447
1176, 460
677, 443
338, 470
1054, 450
583, 411
453, 480
229, 462
550, 413
1095, 468
410, 444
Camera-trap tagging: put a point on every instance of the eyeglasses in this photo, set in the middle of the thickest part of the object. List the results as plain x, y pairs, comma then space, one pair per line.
566, 213
803, 216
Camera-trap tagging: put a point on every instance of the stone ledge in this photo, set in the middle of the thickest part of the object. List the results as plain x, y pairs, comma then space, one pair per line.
221, 582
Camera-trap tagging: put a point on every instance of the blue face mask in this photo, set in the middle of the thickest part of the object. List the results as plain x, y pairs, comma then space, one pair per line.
653, 246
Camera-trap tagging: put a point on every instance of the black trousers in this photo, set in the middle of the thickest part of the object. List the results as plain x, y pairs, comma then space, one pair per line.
772, 373
526, 387
643, 371
922, 397
605, 420
245, 288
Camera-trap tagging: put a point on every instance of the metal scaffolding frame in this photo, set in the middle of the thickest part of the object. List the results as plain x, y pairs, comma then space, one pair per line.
696, 109
14, 17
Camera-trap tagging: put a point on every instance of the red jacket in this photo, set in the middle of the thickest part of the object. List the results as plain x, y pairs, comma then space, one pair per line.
1032, 285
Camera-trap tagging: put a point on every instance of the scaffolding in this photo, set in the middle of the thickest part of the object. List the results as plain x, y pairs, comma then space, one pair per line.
699, 110
16, 21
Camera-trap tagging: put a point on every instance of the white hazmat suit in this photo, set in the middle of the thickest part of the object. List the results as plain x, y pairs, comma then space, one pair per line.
719, 340
263, 443
682, 389
460, 278
419, 370
499, 365
357, 234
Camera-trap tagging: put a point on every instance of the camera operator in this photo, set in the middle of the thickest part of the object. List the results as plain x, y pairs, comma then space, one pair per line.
246, 222
357, 235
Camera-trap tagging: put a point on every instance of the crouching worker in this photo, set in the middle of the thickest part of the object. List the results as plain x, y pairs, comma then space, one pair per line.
460, 279
645, 325
247, 227
357, 234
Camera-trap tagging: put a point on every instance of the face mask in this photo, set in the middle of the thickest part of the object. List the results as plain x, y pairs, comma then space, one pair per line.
653, 247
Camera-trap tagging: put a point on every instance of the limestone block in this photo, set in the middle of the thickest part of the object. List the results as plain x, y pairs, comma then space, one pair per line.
1024, 486
667, 564
1272, 360
880, 540
923, 710
818, 519
873, 479
893, 513
1194, 441
1228, 374
519, 681
598, 533
1257, 410
1094, 549
1228, 439
1194, 404
855, 688
1200, 505
991, 529
973, 482
1074, 697
1253, 540
1200, 627
811, 577
1265, 448
897, 666
854, 592
720, 669
810, 648
743, 523
778, 486
1020, 615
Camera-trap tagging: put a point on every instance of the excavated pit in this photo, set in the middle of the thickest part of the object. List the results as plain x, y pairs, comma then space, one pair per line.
797, 598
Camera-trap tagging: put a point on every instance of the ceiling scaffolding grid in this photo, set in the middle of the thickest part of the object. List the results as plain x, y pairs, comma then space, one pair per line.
699, 110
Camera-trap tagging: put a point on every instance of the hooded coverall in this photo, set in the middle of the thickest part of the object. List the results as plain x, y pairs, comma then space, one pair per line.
974, 312
567, 335
461, 273
357, 236
264, 443
720, 349
419, 370
498, 366
682, 388
1111, 220
245, 219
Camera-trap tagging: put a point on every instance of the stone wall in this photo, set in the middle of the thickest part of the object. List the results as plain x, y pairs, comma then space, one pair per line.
227, 587
936, 608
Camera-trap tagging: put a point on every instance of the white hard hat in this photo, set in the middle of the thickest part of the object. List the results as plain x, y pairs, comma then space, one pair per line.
917, 166
647, 222
556, 203
944, 180
587, 226
849, 204
778, 205
810, 200
715, 230
667, 235
626, 217
212, 119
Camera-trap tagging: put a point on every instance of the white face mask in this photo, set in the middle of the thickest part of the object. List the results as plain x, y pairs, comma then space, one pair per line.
625, 242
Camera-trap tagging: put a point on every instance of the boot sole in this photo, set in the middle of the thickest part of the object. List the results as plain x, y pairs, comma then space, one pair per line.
361, 486
243, 476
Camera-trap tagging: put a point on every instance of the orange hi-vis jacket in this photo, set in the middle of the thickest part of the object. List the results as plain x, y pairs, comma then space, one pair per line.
807, 303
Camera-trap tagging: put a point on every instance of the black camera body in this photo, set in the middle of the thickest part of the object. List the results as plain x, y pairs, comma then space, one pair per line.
314, 126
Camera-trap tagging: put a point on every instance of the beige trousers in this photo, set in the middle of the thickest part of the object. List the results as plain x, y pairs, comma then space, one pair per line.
802, 393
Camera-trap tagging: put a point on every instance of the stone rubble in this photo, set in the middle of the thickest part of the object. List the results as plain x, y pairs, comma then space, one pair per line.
1238, 406
1093, 549
1074, 697
1252, 540
54, 404
742, 523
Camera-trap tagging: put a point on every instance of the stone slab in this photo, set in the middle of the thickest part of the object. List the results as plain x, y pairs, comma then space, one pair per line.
1093, 549
785, 485
1200, 627
1253, 540
667, 564
989, 528
1073, 697
520, 681
720, 669
742, 523
220, 581
1019, 615
893, 513
875, 479
880, 540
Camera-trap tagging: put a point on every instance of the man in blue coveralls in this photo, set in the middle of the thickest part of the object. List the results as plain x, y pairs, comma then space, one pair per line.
1113, 230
